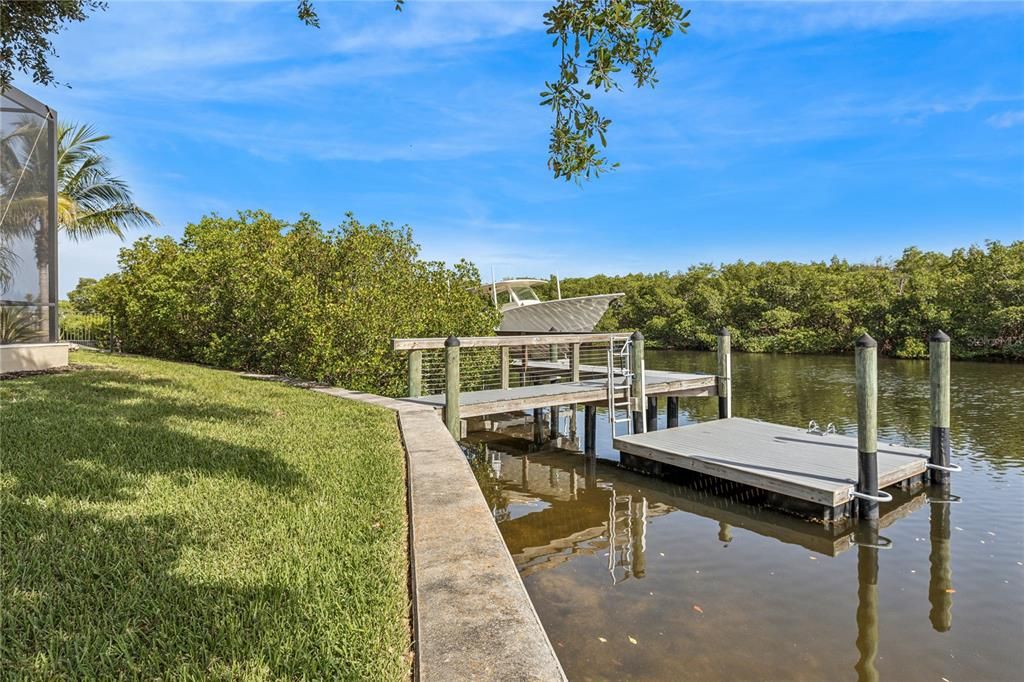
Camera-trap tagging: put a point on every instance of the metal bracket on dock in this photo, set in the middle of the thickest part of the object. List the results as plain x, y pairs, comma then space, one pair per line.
812, 427
881, 497
887, 544
952, 468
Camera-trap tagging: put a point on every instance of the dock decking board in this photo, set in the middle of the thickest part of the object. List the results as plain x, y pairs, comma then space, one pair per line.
781, 459
493, 401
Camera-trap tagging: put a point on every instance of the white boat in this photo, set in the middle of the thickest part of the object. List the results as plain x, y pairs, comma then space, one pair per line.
524, 313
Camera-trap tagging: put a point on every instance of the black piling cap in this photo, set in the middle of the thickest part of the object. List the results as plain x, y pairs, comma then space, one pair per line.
939, 336
724, 331
865, 341
637, 336
451, 341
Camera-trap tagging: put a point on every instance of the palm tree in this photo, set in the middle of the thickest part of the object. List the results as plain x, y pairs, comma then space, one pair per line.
91, 201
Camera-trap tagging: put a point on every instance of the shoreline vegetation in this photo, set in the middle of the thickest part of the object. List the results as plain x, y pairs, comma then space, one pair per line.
165, 519
974, 294
260, 294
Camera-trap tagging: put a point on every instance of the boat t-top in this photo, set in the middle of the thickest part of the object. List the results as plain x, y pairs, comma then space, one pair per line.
524, 313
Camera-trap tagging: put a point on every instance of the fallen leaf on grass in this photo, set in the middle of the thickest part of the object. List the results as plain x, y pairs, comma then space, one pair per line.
602, 639
698, 609
632, 641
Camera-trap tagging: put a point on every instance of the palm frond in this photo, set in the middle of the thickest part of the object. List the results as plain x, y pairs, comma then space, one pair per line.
93, 201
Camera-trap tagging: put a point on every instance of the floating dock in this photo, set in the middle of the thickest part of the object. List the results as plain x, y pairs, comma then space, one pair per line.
814, 468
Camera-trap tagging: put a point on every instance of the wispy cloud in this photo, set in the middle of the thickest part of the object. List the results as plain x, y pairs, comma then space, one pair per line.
789, 20
1007, 119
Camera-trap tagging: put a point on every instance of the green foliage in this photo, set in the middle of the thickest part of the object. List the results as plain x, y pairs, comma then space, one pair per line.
19, 324
81, 298
169, 521
259, 294
25, 32
602, 37
975, 294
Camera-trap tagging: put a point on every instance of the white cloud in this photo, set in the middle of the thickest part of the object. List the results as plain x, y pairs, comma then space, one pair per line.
1007, 119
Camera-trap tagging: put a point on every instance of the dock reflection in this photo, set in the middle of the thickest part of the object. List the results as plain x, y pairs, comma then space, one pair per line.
555, 506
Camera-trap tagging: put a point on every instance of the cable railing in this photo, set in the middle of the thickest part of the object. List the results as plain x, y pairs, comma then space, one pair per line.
452, 366
506, 362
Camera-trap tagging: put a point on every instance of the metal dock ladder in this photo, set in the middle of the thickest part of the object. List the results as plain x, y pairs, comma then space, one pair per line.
619, 397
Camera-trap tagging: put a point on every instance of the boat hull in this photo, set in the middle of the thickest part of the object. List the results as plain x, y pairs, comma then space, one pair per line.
566, 316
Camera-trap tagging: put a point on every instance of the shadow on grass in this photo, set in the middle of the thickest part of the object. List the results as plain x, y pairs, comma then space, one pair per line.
92, 435
92, 593
89, 597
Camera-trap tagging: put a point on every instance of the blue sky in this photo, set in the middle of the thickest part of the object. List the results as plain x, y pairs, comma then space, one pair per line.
792, 131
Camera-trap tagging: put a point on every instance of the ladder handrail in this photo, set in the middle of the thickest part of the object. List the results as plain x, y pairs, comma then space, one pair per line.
624, 356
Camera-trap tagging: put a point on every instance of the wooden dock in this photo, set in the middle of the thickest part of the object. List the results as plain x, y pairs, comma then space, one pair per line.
831, 476
789, 461
585, 391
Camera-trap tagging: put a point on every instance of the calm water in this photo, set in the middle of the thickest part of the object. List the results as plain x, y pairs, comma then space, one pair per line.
637, 578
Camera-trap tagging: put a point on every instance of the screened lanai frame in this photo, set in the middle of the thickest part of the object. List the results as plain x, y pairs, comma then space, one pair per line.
29, 169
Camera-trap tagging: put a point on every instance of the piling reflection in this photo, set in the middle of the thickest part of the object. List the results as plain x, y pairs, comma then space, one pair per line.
867, 605
677, 591
940, 581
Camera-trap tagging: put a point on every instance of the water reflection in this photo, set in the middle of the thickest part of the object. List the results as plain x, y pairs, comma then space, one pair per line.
940, 581
636, 577
867, 610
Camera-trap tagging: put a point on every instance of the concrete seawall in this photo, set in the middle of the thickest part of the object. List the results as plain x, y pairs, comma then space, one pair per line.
472, 616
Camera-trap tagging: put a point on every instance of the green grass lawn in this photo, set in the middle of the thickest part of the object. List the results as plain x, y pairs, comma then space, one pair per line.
167, 520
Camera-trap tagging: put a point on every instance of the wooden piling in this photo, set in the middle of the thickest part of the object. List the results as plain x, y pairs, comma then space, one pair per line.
652, 413
590, 429
637, 388
938, 360
672, 411
867, 425
724, 374
538, 425
451, 387
553, 429
415, 373
505, 363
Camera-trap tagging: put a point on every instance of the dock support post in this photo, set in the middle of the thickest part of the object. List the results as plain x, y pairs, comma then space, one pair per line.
672, 411
451, 387
867, 425
415, 373
590, 429
652, 413
637, 389
553, 430
938, 360
724, 374
504, 367
538, 425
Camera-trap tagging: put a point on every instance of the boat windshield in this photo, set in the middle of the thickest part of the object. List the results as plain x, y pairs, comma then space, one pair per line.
525, 294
